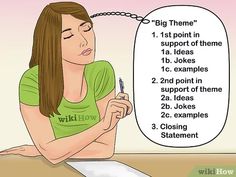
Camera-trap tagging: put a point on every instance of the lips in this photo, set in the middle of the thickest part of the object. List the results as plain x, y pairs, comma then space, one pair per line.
86, 52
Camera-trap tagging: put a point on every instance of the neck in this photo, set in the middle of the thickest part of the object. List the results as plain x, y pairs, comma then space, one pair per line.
72, 68
73, 75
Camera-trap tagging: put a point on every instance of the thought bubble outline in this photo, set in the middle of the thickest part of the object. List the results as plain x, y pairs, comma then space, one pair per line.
227, 39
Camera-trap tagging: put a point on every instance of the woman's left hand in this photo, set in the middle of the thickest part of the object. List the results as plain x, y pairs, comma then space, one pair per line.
24, 150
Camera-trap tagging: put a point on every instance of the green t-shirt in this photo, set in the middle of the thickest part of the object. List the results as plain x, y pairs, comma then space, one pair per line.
75, 117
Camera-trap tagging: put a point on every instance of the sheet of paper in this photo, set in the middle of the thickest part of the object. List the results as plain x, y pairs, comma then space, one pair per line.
105, 169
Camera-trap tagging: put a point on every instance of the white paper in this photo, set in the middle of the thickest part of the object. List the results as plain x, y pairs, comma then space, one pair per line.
105, 169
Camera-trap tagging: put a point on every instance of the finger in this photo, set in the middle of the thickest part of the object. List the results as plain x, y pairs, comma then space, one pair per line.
126, 102
18, 148
124, 96
3, 152
121, 105
118, 111
114, 120
114, 117
130, 108
8, 152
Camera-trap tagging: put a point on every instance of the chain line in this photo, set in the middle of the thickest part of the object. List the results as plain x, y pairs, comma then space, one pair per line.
126, 14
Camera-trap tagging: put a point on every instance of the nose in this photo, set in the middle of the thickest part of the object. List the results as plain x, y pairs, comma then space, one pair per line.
82, 40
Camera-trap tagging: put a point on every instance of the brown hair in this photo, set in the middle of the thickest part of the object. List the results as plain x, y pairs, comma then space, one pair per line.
46, 53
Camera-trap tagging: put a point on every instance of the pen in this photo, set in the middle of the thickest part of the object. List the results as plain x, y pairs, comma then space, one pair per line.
122, 89
121, 85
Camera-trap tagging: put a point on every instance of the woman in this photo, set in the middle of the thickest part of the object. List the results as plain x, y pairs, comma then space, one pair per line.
67, 100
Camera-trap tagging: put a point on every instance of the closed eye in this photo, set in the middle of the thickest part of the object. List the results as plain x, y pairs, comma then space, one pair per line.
68, 36
89, 28
85, 26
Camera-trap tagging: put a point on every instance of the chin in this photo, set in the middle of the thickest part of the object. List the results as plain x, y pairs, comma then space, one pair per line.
86, 60
81, 60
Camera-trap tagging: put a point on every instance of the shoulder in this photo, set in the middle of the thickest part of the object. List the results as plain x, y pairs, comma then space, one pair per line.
29, 87
29, 79
101, 78
99, 68
30, 74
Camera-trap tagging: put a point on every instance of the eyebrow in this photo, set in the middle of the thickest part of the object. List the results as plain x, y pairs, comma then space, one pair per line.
68, 29
83, 23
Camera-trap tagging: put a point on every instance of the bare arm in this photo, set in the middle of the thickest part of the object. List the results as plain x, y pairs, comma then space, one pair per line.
98, 149
79, 145
104, 146
56, 150
94, 150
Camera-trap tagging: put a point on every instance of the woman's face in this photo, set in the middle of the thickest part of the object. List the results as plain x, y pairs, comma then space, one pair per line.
77, 40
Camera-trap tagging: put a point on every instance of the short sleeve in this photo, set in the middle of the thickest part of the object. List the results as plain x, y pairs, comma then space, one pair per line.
104, 80
28, 88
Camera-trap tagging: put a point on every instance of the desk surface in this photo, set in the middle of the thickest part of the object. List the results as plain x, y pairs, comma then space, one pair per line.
163, 165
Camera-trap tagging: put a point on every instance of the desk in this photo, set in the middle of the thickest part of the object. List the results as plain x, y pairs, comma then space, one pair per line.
163, 165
